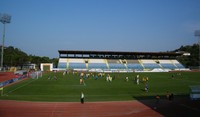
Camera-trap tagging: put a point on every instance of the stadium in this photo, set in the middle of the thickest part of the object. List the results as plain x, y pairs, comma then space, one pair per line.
136, 78
110, 61
99, 58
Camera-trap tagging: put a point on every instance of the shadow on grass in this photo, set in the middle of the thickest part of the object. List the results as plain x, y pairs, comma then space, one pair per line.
180, 106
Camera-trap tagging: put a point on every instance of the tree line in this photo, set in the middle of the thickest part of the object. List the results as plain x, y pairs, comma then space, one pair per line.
191, 61
16, 57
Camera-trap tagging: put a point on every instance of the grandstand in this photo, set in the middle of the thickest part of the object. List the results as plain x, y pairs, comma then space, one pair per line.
120, 61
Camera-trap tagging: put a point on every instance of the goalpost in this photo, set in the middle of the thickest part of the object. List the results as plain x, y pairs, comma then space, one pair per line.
36, 74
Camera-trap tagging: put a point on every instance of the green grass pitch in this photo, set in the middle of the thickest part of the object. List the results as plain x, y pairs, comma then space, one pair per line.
68, 89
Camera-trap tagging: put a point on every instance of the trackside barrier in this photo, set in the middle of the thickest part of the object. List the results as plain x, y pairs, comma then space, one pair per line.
4, 83
21, 75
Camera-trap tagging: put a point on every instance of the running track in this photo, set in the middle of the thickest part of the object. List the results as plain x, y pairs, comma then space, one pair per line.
143, 108
75, 109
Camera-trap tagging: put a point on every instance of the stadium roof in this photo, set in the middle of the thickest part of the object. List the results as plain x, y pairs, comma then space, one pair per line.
117, 55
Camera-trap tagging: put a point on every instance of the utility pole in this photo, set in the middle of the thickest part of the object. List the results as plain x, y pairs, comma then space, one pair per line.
4, 18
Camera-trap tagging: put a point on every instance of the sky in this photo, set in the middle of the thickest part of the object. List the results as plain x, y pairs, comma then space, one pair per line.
42, 27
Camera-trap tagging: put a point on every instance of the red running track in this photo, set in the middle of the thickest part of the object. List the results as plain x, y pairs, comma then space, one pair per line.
6, 76
75, 109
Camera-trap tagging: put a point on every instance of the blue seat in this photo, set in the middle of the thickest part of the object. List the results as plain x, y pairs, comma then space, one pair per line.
97, 66
62, 65
77, 65
134, 66
151, 65
116, 66
168, 66
179, 65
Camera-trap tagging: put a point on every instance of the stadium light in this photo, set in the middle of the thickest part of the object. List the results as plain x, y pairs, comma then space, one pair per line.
197, 33
4, 18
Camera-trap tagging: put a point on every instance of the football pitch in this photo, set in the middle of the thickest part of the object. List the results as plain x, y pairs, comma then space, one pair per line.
67, 88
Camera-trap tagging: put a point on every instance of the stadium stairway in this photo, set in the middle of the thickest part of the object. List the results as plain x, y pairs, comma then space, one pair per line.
141, 63
173, 63
159, 64
67, 63
86, 64
125, 63
107, 64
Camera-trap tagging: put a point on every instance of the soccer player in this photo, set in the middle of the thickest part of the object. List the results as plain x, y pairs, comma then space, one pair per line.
81, 81
126, 78
146, 87
137, 79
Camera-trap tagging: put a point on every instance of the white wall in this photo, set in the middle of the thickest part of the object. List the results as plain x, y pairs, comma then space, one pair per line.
43, 64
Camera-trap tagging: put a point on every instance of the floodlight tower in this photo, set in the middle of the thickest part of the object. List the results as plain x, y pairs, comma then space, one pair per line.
197, 33
4, 18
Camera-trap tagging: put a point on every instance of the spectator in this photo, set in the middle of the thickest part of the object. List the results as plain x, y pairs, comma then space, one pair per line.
82, 98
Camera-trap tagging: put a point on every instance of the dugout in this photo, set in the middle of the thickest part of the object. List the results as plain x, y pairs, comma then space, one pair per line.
194, 92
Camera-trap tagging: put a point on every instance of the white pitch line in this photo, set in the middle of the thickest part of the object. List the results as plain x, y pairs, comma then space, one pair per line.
18, 88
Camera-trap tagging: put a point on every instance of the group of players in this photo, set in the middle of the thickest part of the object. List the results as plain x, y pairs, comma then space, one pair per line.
108, 78
84, 75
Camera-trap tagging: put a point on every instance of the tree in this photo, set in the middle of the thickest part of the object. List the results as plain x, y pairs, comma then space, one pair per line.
191, 61
16, 57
